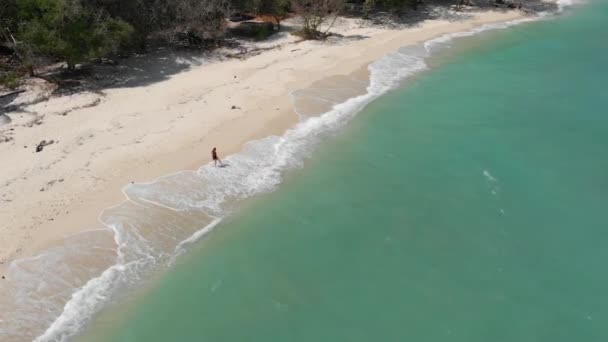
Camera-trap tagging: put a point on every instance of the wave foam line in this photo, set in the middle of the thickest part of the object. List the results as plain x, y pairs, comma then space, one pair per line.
257, 169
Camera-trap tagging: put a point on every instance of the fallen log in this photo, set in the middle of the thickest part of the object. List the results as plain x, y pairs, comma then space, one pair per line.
16, 92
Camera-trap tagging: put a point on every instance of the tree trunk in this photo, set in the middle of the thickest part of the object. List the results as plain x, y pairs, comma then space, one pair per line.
5, 35
331, 24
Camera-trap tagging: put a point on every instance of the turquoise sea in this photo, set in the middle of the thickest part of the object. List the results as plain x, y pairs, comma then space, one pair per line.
469, 205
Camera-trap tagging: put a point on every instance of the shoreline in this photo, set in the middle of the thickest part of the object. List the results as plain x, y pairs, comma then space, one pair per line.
187, 153
80, 212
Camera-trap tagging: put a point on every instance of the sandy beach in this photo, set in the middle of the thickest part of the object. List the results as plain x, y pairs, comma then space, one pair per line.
104, 140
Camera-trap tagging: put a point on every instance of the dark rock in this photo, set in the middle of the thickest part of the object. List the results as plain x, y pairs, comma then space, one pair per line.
252, 29
40, 146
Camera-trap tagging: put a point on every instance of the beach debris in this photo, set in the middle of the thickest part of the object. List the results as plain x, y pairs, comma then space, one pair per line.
16, 92
40, 147
235, 107
42, 144
5, 138
91, 104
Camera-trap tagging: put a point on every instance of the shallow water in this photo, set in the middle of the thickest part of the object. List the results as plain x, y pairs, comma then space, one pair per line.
468, 206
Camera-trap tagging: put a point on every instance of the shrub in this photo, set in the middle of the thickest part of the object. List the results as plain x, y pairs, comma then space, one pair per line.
316, 12
69, 30
10, 80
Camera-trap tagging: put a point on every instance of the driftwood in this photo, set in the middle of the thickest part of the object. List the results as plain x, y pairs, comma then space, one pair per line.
16, 92
42, 144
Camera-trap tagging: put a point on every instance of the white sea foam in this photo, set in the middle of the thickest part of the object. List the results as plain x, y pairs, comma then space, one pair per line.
199, 234
489, 176
185, 206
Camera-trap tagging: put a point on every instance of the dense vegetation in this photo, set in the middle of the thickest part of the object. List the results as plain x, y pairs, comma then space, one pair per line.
38, 32
78, 30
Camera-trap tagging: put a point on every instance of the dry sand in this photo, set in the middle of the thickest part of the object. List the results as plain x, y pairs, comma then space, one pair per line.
104, 140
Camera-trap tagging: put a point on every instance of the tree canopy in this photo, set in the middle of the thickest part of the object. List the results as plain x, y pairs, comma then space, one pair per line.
78, 30
66, 29
75, 31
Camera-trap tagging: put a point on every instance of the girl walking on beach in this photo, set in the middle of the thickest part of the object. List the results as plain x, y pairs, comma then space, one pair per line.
215, 157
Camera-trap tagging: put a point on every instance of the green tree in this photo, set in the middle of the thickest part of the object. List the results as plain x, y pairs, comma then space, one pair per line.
69, 30
245, 6
316, 12
8, 14
368, 7
204, 19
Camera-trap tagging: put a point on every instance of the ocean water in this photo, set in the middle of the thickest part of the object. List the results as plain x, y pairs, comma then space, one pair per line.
469, 205
465, 205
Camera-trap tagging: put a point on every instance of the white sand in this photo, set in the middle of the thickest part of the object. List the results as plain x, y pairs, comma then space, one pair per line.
106, 140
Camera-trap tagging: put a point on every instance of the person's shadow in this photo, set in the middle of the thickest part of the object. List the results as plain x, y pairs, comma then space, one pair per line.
224, 165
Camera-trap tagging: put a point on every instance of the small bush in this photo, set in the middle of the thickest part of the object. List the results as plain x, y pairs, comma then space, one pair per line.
309, 34
10, 80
